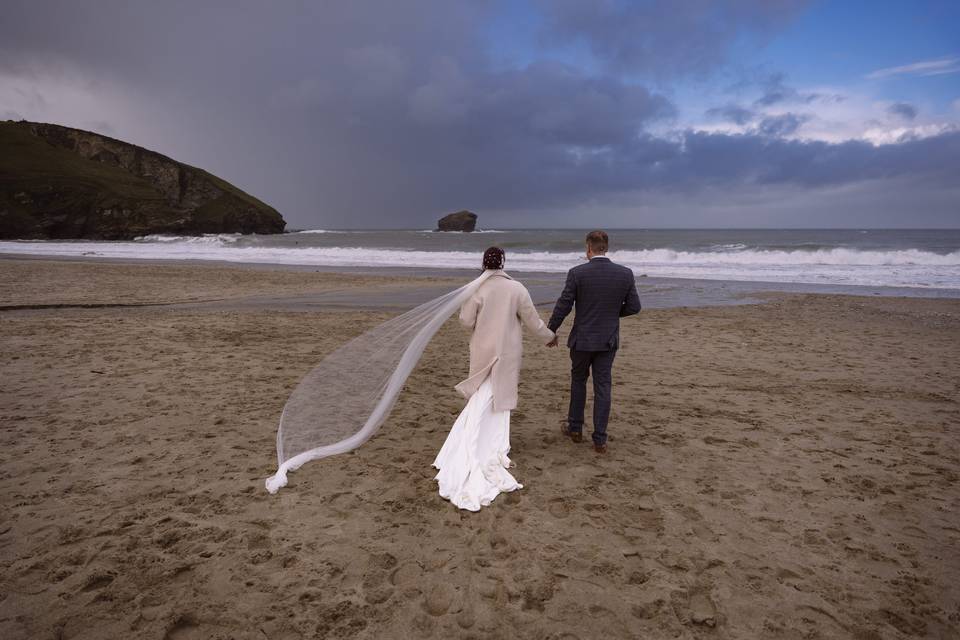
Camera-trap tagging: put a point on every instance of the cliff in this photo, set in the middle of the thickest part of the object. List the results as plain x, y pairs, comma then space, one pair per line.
58, 182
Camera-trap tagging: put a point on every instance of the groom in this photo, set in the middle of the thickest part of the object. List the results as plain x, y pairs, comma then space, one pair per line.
603, 292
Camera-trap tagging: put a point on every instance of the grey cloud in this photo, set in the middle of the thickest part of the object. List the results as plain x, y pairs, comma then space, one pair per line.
781, 125
731, 113
357, 114
774, 91
903, 110
757, 159
547, 101
662, 38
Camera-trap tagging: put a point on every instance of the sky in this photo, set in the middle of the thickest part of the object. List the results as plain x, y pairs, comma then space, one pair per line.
531, 113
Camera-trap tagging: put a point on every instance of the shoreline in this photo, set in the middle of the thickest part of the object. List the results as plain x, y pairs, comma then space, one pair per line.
922, 259
655, 292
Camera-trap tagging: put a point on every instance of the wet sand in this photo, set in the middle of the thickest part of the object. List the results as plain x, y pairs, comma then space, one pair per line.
396, 288
784, 470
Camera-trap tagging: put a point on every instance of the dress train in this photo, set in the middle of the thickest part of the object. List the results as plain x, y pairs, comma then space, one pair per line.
473, 461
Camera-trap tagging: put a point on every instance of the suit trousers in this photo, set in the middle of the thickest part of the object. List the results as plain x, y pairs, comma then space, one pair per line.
582, 364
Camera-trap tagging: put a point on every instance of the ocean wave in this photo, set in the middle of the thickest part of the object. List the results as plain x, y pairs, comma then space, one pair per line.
469, 232
319, 231
207, 238
835, 256
906, 267
728, 247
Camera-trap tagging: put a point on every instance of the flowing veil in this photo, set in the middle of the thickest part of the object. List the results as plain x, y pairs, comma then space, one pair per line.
342, 402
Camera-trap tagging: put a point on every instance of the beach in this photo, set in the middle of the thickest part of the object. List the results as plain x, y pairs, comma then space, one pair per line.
786, 469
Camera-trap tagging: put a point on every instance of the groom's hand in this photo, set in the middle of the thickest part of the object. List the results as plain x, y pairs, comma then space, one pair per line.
553, 342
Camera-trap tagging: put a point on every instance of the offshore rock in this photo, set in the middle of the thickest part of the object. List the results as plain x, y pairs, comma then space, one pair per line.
459, 221
59, 182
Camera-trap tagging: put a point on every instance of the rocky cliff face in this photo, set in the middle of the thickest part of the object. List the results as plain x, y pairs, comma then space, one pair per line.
58, 182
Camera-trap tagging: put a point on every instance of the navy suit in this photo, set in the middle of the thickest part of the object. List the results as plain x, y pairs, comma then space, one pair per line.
602, 292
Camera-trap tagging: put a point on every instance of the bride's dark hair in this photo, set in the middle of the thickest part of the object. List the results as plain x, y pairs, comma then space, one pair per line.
493, 258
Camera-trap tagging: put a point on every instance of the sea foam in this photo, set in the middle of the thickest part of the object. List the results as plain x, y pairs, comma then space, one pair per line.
907, 267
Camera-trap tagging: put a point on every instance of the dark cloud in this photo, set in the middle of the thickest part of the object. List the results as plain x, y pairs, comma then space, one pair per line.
388, 114
663, 38
731, 113
781, 125
758, 159
903, 110
775, 91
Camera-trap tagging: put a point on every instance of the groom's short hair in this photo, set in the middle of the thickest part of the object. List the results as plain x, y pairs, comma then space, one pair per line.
598, 241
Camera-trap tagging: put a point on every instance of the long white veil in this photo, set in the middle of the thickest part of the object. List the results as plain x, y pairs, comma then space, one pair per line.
343, 401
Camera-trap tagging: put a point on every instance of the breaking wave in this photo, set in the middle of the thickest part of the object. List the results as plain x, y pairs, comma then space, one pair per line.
207, 238
906, 267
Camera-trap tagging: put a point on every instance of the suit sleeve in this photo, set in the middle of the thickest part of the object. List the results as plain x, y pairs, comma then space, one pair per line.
469, 311
564, 303
531, 319
631, 303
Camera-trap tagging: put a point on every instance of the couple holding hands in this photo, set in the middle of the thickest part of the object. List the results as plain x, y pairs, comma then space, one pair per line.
473, 463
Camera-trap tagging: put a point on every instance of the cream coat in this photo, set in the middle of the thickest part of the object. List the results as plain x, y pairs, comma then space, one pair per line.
495, 314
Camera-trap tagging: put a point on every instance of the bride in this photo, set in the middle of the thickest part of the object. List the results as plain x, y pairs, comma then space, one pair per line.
473, 461
344, 400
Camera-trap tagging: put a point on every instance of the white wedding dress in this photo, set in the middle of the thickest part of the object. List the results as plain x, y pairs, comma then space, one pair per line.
473, 461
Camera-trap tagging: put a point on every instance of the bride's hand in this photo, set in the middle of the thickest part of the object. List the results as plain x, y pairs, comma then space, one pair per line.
553, 342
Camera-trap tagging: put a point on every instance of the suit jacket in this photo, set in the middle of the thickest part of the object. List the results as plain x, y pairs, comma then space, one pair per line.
602, 292
495, 313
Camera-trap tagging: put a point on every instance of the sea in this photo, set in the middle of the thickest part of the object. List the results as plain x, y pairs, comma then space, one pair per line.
902, 258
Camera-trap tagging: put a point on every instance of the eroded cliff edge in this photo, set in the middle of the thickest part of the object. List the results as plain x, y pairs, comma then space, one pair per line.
59, 182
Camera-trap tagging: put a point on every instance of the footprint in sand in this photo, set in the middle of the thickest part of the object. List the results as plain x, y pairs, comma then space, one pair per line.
466, 618
705, 533
184, 626
377, 595
537, 594
97, 581
694, 608
376, 584
501, 546
904, 623
560, 508
438, 599
638, 577
406, 574
648, 610
384, 561
812, 537
596, 507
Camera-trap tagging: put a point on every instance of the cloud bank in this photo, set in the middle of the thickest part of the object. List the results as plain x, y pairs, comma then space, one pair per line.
389, 114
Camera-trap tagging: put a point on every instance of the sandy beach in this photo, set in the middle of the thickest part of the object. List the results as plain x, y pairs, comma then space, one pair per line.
780, 470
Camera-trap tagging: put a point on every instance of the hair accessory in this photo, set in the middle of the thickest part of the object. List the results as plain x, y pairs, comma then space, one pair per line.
493, 258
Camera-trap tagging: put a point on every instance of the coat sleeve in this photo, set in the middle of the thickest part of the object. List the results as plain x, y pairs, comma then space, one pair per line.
631, 302
469, 311
564, 303
531, 318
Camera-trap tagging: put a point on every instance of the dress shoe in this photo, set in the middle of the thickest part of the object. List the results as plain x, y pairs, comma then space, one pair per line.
600, 448
576, 436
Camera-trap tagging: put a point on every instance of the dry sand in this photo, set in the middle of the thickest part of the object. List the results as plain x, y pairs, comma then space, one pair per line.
786, 470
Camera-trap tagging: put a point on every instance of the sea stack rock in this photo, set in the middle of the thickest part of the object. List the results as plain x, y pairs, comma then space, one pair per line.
59, 182
459, 221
